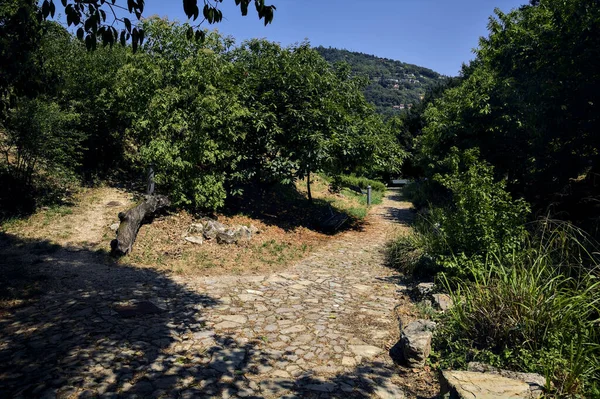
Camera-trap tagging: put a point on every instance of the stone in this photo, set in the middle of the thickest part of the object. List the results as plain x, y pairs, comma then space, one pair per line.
365, 350
235, 318
280, 374
443, 301
532, 379
203, 334
210, 228
324, 387
387, 390
415, 343
275, 387
424, 289
194, 239
228, 361
196, 228
348, 361
476, 385
115, 226
228, 236
226, 325
293, 329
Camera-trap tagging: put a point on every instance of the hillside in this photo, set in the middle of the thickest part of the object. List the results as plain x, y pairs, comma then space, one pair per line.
394, 84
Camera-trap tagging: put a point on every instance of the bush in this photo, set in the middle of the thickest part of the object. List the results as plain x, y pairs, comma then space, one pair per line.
535, 310
412, 254
479, 216
41, 149
351, 181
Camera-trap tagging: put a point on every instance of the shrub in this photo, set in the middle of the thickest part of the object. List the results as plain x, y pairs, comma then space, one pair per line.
412, 254
41, 149
535, 310
479, 217
339, 181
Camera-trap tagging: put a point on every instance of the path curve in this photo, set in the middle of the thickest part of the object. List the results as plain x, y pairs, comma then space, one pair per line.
320, 329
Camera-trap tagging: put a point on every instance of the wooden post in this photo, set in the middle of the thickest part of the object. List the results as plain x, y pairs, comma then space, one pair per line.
150, 180
308, 186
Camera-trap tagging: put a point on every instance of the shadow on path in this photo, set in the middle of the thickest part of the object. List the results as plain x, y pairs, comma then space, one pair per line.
404, 215
95, 327
77, 325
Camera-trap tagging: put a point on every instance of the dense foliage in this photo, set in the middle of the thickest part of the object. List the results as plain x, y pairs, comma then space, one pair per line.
212, 118
95, 20
392, 84
515, 139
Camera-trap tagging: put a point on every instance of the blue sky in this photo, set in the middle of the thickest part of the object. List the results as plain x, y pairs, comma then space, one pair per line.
438, 34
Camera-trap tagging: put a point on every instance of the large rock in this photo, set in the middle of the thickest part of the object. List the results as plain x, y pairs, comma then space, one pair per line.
415, 343
535, 381
210, 229
476, 385
234, 235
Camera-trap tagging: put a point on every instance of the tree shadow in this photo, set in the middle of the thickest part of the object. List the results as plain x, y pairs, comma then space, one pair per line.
405, 215
285, 207
74, 324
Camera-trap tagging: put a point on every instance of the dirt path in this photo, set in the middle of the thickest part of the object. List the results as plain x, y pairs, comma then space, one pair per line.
320, 329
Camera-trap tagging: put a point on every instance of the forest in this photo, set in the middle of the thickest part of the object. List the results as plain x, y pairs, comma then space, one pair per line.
503, 158
393, 86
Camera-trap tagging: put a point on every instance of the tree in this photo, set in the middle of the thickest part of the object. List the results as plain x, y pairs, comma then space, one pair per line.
95, 19
528, 103
184, 113
306, 116
20, 35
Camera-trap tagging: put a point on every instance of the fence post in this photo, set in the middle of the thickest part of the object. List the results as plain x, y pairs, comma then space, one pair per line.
368, 195
150, 180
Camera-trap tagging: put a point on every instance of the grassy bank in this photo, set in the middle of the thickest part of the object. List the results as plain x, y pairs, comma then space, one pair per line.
536, 309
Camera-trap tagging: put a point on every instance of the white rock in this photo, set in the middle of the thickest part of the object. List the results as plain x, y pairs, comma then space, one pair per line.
194, 239
475, 385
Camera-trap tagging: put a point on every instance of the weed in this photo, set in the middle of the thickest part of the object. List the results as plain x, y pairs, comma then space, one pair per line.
535, 310
426, 310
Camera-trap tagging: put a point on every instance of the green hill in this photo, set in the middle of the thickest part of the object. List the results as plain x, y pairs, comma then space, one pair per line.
394, 84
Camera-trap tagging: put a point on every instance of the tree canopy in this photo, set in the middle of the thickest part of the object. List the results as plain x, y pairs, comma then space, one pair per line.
212, 117
96, 19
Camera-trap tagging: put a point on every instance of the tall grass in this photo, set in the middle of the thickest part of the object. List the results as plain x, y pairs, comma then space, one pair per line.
535, 310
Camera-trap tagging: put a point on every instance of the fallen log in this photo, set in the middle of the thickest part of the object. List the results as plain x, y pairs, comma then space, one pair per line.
132, 220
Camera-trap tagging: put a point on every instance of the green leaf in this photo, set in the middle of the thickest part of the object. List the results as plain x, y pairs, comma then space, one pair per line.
127, 23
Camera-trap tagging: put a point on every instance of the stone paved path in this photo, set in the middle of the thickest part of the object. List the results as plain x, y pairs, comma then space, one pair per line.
321, 329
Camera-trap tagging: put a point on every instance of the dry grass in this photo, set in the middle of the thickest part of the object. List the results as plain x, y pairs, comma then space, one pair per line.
161, 245
84, 223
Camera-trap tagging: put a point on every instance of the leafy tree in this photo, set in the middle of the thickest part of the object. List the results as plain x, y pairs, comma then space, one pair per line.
20, 34
528, 103
40, 132
185, 117
95, 19
305, 116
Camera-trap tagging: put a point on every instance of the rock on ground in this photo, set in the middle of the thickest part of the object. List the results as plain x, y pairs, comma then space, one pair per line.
476, 385
415, 343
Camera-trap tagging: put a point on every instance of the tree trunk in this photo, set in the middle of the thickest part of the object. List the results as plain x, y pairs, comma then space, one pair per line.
132, 220
308, 186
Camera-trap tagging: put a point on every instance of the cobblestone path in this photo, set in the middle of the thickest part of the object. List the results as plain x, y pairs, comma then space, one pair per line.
322, 329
